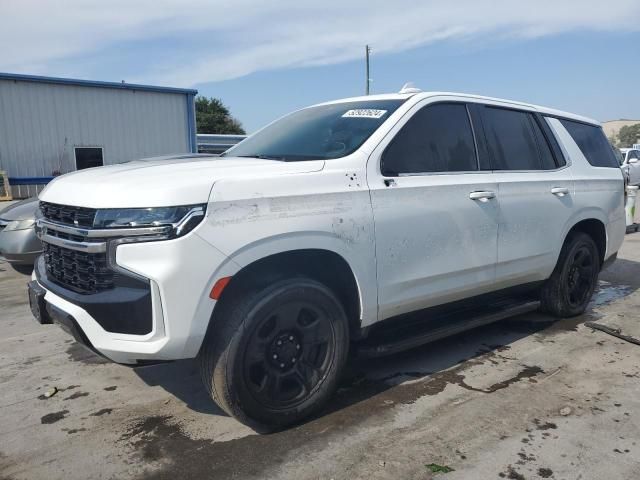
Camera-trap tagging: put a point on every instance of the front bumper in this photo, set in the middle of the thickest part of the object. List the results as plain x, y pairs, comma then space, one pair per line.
180, 274
20, 246
126, 308
45, 313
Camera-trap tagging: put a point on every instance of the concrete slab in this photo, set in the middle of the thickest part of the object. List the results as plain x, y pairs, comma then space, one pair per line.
524, 398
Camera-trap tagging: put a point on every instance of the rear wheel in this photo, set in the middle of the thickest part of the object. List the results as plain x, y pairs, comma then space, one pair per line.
569, 289
274, 353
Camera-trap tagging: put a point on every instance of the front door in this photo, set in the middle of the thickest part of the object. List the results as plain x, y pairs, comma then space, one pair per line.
435, 212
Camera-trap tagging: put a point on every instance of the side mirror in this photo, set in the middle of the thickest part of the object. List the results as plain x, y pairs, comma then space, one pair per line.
633, 160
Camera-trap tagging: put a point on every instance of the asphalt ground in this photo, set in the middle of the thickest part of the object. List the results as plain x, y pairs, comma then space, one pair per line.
524, 398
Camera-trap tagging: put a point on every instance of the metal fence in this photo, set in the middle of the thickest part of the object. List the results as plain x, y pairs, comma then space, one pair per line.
217, 143
5, 188
26, 187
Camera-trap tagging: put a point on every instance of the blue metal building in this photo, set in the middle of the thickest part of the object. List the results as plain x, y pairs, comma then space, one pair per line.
50, 126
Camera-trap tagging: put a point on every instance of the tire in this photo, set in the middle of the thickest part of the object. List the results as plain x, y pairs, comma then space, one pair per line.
274, 353
569, 289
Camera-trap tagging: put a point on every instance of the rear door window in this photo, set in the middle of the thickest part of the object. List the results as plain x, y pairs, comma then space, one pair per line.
511, 140
438, 138
547, 160
592, 143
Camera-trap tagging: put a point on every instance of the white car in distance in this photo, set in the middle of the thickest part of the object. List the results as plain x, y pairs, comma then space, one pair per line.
324, 233
631, 164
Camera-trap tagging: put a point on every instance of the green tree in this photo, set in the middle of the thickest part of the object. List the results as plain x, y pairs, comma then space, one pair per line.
212, 116
628, 135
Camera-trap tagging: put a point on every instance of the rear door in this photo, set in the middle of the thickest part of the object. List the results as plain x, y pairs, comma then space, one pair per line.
599, 182
435, 211
535, 193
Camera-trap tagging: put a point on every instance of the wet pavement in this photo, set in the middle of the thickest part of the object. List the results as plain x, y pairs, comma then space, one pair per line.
523, 398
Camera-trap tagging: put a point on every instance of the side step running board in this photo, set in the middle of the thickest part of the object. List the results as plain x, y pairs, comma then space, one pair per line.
408, 342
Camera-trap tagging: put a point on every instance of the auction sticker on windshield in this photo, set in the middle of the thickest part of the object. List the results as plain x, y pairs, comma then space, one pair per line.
364, 113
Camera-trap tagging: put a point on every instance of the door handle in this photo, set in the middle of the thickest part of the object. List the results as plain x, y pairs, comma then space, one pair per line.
560, 191
482, 196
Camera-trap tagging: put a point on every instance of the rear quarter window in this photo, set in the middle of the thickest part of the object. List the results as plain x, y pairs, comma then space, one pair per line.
592, 143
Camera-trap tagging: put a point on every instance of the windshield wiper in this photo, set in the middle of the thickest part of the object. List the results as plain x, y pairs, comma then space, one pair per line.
262, 157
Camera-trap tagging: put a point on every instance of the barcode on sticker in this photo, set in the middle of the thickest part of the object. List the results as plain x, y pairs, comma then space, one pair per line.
364, 113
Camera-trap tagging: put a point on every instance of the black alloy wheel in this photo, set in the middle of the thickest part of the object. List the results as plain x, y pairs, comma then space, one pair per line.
289, 351
581, 276
274, 353
567, 292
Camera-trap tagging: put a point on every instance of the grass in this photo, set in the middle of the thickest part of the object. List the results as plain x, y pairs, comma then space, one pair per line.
435, 468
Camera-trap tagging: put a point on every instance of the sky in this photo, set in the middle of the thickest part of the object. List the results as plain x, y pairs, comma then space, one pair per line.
264, 59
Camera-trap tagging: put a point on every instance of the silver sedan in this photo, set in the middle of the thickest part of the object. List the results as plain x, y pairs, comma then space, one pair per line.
19, 244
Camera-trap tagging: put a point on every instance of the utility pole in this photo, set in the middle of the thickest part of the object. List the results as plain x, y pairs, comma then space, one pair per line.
367, 51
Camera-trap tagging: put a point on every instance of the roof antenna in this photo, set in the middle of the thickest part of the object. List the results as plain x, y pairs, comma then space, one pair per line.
368, 84
409, 87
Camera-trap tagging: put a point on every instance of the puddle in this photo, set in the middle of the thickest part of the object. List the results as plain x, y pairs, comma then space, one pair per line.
53, 417
104, 411
80, 353
608, 293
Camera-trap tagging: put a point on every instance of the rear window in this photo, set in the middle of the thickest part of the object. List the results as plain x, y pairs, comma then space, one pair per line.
592, 142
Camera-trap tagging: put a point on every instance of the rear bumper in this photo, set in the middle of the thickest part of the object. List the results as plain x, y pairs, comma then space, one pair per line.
609, 261
616, 231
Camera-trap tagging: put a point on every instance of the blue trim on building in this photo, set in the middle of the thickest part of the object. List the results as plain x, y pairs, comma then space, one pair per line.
29, 180
95, 83
191, 123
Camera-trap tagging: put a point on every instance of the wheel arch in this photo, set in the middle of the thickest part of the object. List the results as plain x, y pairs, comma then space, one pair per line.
596, 229
323, 265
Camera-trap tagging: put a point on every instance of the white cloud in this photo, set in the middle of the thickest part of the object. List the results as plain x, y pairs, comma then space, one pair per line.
223, 39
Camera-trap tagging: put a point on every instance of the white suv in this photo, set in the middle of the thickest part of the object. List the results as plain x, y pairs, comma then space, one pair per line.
322, 232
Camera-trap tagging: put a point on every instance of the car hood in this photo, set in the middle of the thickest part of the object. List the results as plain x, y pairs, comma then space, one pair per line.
22, 210
161, 182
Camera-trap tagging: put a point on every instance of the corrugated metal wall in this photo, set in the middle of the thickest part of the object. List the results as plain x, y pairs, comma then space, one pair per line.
40, 124
26, 191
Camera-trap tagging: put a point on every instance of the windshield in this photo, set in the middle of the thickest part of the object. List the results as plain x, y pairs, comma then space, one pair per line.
318, 133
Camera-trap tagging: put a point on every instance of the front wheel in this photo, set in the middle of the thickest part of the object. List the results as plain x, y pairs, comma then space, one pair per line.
569, 289
275, 353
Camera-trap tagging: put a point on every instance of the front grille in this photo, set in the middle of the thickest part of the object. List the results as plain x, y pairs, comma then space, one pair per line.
81, 272
69, 236
76, 216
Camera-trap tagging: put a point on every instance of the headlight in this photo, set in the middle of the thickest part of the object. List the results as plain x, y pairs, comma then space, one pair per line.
20, 225
181, 219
